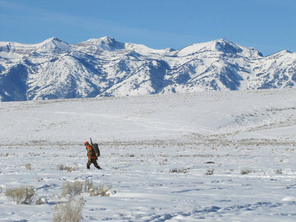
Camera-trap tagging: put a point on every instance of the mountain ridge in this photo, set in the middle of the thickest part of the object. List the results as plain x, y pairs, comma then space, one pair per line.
54, 69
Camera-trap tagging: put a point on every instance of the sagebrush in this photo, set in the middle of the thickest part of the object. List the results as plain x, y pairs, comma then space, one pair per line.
182, 170
29, 166
72, 188
210, 172
64, 167
70, 211
76, 188
246, 171
88, 185
21, 194
102, 190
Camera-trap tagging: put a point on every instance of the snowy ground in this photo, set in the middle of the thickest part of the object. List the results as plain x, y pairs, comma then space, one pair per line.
156, 152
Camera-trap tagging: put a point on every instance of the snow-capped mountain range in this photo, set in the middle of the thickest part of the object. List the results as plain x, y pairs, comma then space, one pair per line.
55, 69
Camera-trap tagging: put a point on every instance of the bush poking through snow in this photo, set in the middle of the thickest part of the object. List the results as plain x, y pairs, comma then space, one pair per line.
102, 190
69, 169
75, 188
63, 167
129, 155
246, 171
182, 170
1, 189
41, 201
29, 166
278, 171
72, 188
70, 211
21, 194
88, 185
210, 172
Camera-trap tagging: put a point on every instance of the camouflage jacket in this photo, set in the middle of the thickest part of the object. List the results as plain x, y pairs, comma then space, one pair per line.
90, 153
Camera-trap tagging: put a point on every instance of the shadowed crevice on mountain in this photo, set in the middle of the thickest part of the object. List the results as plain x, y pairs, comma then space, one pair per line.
157, 74
13, 86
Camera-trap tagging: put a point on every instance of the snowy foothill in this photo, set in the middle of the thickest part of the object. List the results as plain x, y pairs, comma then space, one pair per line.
210, 156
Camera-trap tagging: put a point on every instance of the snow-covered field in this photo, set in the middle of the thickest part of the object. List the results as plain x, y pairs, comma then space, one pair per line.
156, 153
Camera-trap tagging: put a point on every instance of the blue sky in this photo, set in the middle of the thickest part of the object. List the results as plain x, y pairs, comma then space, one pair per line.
267, 25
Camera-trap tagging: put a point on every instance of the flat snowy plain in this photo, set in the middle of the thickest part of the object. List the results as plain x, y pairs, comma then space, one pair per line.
156, 152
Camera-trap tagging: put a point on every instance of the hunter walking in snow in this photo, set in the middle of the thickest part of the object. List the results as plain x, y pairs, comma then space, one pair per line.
92, 158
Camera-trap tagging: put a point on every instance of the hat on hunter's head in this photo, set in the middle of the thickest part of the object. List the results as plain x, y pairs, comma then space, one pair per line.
86, 143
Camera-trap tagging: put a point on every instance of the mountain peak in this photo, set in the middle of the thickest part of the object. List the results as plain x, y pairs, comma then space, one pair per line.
279, 54
227, 46
107, 39
104, 40
222, 45
53, 45
105, 43
52, 40
224, 40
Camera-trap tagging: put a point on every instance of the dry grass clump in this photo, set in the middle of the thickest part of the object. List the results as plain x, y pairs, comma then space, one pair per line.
29, 166
130, 155
41, 201
210, 172
88, 185
21, 194
63, 167
163, 162
70, 169
246, 171
75, 188
102, 190
72, 188
70, 211
278, 171
182, 170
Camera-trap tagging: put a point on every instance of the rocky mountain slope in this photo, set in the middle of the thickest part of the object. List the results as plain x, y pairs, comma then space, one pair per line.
55, 69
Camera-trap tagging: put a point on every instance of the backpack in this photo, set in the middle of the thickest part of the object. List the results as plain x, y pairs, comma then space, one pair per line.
95, 147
